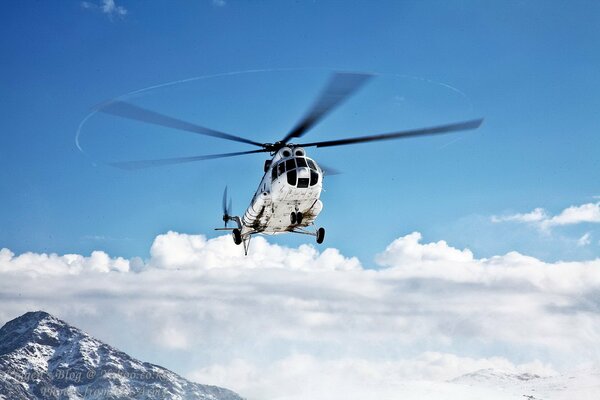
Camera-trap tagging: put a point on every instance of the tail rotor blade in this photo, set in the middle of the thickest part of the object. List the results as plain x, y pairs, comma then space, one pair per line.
226, 207
224, 203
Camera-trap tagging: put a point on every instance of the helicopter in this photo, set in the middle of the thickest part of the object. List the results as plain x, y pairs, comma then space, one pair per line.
287, 199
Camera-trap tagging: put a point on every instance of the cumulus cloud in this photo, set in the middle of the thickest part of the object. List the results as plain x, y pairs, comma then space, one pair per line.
589, 212
408, 251
176, 251
265, 323
108, 7
53, 264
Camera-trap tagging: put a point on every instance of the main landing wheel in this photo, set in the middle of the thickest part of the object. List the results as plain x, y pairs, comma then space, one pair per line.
237, 236
320, 235
296, 218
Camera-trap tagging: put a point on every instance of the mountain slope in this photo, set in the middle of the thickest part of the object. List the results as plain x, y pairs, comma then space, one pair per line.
42, 357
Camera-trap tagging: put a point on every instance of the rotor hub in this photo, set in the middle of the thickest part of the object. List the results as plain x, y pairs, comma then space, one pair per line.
275, 147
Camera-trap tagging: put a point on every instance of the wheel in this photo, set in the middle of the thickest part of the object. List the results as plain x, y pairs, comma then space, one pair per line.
320, 235
299, 217
293, 218
237, 236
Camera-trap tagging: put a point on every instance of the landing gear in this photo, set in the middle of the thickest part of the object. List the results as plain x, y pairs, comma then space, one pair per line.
320, 235
237, 236
296, 218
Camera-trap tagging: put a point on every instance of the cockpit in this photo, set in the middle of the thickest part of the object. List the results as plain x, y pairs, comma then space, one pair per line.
296, 170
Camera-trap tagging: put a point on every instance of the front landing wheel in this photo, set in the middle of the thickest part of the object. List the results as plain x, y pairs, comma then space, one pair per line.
320, 235
237, 236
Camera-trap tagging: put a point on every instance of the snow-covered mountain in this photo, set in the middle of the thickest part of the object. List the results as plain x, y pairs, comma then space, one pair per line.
583, 384
42, 357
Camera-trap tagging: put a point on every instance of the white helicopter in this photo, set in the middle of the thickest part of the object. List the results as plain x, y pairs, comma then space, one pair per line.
287, 199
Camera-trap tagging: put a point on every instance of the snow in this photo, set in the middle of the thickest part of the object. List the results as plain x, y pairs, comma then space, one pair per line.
583, 384
44, 353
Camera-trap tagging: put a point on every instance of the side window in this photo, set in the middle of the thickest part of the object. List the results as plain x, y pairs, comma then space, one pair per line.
314, 178
290, 165
301, 162
312, 165
274, 173
281, 168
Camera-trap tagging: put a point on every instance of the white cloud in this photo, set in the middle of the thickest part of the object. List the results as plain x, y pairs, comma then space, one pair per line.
108, 7
52, 264
589, 212
584, 240
265, 323
219, 3
180, 251
585, 213
303, 376
537, 215
408, 251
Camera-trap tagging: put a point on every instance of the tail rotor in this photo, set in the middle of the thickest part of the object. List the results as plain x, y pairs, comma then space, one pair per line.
227, 205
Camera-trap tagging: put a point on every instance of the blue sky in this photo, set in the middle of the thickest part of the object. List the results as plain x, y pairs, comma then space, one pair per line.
530, 68
465, 231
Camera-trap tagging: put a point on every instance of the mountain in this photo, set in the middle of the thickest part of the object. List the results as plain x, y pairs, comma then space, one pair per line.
42, 357
583, 384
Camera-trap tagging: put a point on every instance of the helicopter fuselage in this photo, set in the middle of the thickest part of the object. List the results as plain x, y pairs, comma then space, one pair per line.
287, 199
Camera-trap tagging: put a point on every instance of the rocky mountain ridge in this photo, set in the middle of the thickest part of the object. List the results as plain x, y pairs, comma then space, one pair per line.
42, 357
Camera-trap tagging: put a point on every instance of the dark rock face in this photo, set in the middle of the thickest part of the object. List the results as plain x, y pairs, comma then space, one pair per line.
42, 357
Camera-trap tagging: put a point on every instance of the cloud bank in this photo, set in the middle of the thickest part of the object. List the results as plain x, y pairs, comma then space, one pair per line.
286, 323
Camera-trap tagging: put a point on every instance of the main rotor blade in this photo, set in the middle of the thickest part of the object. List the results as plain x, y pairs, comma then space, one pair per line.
460, 126
130, 111
340, 87
329, 171
131, 165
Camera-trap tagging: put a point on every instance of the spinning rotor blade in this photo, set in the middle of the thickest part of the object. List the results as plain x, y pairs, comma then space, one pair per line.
459, 126
131, 165
130, 111
225, 209
340, 87
329, 171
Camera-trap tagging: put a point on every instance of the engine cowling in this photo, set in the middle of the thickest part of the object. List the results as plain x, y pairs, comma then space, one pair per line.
256, 210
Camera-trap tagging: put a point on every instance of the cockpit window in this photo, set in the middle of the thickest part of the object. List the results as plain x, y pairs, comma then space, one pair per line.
301, 162
274, 173
314, 177
281, 168
312, 165
290, 164
291, 177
